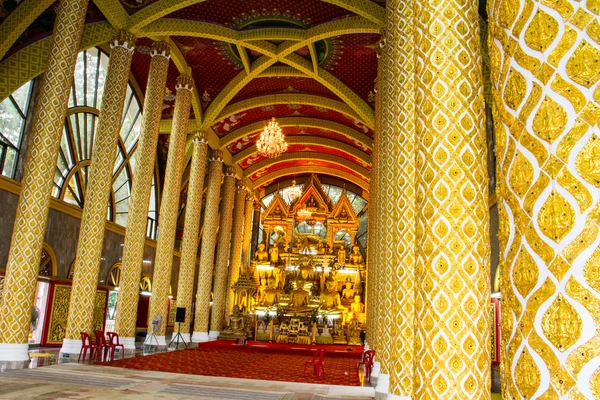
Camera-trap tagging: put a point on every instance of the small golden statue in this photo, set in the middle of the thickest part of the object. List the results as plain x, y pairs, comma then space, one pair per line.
235, 326
274, 255
357, 307
270, 295
354, 334
299, 297
261, 255
330, 298
356, 258
348, 292
341, 256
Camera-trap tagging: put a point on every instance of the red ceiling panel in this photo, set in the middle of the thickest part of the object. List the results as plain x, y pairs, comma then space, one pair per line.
299, 163
263, 86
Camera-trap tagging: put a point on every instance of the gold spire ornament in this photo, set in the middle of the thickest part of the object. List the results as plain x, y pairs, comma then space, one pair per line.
271, 143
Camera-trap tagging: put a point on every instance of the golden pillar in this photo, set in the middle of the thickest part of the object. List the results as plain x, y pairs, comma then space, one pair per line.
247, 239
452, 353
137, 218
91, 234
395, 219
32, 209
223, 250
169, 206
238, 228
545, 67
207, 250
189, 245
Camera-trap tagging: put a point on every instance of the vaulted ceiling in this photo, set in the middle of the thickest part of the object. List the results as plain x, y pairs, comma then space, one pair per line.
310, 63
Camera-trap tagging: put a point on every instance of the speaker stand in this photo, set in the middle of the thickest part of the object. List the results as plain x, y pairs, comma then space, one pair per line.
178, 336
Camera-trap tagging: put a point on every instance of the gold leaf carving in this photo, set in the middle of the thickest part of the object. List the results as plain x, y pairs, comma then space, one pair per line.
541, 32
514, 92
550, 120
562, 324
508, 12
576, 188
521, 175
587, 161
525, 273
595, 384
584, 65
556, 217
591, 270
527, 375
570, 92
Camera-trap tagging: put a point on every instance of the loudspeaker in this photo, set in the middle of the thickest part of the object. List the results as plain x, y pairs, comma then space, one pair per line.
180, 314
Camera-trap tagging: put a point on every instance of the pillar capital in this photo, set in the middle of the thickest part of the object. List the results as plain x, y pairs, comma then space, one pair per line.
123, 39
200, 138
229, 171
161, 49
217, 155
184, 82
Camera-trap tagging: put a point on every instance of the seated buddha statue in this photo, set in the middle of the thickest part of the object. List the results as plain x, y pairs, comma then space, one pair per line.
330, 298
356, 258
270, 295
235, 324
261, 256
357, 307
299, 298
348, 292
341, 256
274, 255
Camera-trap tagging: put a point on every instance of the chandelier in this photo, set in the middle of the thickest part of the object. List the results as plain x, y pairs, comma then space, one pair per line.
293, 192
304, 214
271, 142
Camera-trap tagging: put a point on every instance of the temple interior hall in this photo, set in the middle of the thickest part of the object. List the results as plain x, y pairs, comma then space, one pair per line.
301, 200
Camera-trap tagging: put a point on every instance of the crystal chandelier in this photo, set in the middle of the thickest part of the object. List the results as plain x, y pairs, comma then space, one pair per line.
293, 192
304, 214
271, 142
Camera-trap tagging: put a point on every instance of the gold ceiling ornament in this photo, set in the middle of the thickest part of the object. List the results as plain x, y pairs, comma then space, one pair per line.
271, 143
304, 214
293, 192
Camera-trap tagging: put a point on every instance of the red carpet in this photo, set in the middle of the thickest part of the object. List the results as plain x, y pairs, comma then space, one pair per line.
278, 362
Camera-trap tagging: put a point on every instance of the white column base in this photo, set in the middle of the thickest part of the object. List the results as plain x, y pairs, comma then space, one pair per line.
70, 346
213, 335
161, 340
376, 369
128, 342
186, 337
199, 337
14, 352
383, 387
396, 397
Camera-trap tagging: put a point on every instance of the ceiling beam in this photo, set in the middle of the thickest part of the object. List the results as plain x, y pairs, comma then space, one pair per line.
314, 58
244, 57
304, 122
316, 169
308, 141
308, 155
287, 98
114, 12
365, 8
18, 20
156, 11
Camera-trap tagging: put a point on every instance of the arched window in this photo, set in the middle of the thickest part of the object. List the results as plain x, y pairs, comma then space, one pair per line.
13, 111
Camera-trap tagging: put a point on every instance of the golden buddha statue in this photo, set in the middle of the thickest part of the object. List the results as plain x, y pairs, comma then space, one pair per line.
357, 307
341, 256
261, 255
262, 287
307, 272
299, 297
274, 255
354, 334
356, 258
330, 298
270, 295
348, 292
235, 325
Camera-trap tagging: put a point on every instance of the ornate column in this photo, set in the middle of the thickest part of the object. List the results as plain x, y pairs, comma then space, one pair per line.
189, 245
545, 68
91, 234
247, 233
32, 209
137, 218
223, 247
207, 251
395, 219
169, 207
238, 228
255, 228
452, 353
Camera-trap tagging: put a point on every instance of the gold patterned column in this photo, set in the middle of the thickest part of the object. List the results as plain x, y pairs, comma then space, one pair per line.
545, 67
247, 239
396, 217
189, 245
169, 206
238, 229
222, 260
137, 218
207, 250
32, 209
452, 352
91, 233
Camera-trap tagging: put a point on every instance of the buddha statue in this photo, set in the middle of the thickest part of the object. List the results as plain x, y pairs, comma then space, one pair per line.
262, 287
330, 298
235, 325
341, 256
354, 334
356, 258
270, 295
357, 307
307, 272
348, 293
274, 255
299, 297
261, 255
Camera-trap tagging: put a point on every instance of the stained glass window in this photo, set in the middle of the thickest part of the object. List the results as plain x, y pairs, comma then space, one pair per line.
13, 111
